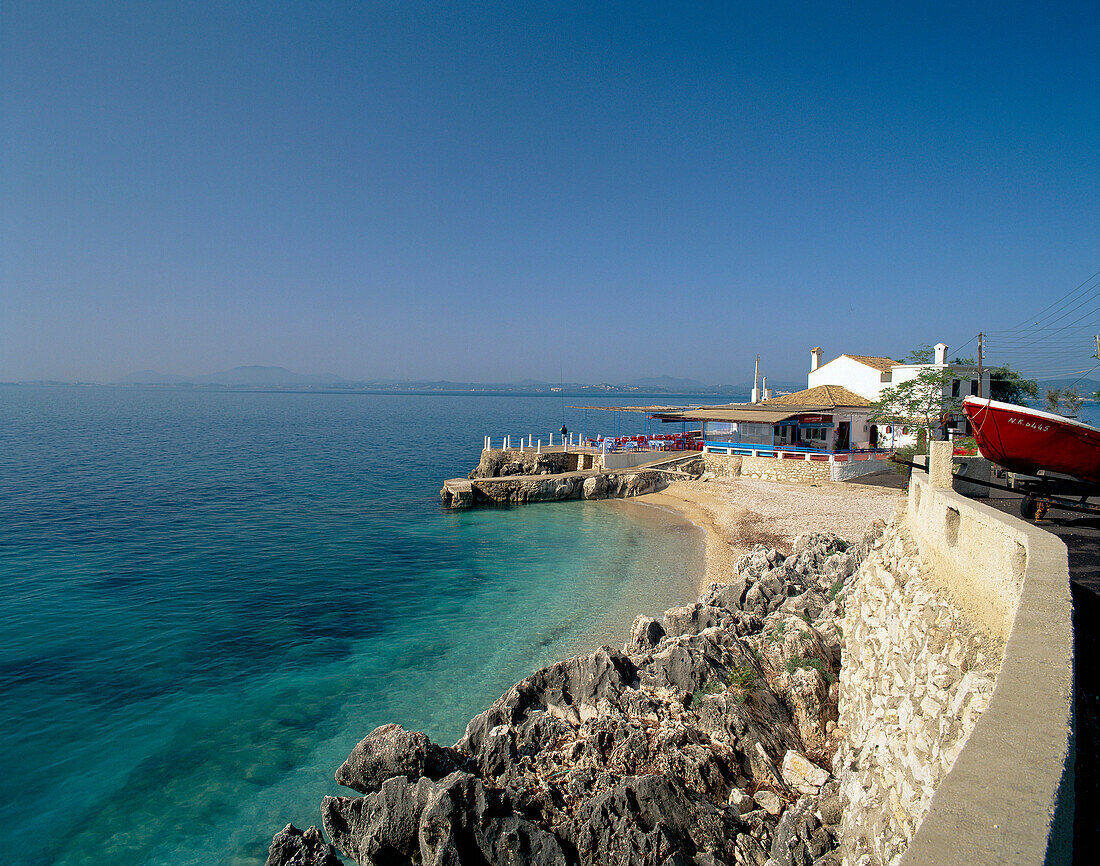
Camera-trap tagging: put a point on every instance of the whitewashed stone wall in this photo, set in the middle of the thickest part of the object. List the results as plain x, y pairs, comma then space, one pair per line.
916, 676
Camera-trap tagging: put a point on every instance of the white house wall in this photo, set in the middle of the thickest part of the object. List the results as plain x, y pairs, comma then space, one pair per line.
856, 377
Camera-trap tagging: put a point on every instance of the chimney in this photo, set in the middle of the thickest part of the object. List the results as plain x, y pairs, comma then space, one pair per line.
815, 358
941, 353
764, 387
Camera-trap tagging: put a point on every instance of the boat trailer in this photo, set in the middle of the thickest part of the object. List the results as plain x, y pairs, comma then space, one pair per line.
1040, 492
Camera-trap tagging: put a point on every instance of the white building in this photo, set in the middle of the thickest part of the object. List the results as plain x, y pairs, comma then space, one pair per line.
868, 376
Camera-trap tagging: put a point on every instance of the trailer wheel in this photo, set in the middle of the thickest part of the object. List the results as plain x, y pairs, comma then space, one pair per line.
1028, 508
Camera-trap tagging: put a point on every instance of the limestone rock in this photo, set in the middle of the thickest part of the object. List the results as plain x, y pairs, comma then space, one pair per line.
650, 819
455, 820
390, 751
294, 847
595, 487
645, 634
802, 774
639, 756
768, 801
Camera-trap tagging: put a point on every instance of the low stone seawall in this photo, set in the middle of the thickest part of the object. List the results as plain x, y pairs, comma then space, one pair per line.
798, 471
552, 488
514, 476
947, 759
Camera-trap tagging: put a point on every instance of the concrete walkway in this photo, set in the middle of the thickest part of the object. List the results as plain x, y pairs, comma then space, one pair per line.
1081, 534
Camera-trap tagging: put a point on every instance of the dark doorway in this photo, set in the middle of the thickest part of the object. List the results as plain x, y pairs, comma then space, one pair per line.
842, 436
873, 435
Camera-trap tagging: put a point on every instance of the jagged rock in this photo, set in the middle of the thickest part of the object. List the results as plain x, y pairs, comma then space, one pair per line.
802, 774
768, 801
569, 690
728, 595
390, 751
453, 821
645, 634
294, 847
639, 756
695, 618
650, 819
799, 839
830, 811
740, 801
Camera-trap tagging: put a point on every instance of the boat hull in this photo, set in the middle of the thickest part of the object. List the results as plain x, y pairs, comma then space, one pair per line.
1030, 441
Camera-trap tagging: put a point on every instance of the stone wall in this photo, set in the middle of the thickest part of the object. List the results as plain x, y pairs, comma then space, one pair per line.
721, 465
916, 677
797, 471
945, 759
767, 468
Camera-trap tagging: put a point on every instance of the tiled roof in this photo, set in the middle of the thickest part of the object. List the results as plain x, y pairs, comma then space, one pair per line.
883, 365
821, 397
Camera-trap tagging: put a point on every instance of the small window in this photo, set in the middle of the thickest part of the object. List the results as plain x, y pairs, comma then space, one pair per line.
954, 387
974, 387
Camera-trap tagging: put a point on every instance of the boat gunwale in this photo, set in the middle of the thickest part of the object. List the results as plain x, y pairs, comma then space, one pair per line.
990, 403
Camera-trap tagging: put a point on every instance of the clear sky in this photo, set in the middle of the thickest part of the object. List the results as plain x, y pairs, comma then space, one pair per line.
483, 191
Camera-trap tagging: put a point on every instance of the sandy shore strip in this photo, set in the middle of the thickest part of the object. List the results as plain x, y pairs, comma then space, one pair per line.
739, 513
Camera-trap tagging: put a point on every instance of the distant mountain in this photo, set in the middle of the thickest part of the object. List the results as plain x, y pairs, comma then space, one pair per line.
151, 377
239, 377
268, 377
1084, 387
671, 383
279, 378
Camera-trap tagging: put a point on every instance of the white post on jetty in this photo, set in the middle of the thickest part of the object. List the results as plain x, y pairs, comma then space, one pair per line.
539, 451
551, 440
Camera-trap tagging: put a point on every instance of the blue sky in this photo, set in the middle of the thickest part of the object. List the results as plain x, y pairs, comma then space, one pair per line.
486, 191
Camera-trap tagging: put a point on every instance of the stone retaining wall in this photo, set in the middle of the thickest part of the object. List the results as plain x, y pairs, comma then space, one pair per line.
916, 677
929, 778
796, 471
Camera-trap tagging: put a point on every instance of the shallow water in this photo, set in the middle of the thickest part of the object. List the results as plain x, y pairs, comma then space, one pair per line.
209, 598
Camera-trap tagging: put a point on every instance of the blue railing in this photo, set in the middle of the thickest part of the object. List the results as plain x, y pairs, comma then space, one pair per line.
747, 448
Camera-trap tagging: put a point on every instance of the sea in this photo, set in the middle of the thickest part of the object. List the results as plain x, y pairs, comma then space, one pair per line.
207, 598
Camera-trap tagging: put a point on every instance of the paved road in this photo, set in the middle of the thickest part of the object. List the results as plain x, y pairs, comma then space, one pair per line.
1081, 534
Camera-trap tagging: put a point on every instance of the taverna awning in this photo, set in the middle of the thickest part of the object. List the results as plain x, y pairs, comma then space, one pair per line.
746, 414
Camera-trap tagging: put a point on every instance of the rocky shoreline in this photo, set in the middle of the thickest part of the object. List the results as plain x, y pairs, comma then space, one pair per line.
707, 739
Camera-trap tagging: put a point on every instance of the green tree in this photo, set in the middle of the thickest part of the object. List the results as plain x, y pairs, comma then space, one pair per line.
1053, 399
919, 402
920, 355
1008, 386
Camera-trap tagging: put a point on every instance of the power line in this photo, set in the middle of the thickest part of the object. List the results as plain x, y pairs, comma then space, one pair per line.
1055, 303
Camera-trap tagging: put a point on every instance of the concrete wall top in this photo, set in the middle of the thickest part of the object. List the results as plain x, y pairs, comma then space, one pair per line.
1009, 797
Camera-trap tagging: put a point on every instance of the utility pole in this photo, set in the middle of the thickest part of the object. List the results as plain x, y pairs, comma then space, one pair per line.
981, 342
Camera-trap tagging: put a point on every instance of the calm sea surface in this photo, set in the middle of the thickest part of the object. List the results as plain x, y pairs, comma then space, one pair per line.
209, 598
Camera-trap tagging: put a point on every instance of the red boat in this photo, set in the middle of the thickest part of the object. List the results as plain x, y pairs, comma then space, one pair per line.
1034, 442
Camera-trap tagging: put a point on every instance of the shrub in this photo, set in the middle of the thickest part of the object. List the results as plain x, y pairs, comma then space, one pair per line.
741, 677
810, 664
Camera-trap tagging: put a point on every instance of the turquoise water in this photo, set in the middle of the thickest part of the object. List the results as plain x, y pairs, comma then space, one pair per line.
209, 598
